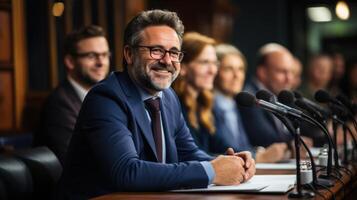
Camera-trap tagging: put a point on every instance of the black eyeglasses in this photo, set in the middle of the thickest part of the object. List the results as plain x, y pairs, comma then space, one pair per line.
159, 52
93, 55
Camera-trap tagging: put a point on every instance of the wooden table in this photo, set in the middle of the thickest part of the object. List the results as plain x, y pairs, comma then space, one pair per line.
340, 191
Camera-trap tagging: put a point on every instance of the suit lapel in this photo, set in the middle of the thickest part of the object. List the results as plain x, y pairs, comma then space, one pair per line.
137, 106
72, 96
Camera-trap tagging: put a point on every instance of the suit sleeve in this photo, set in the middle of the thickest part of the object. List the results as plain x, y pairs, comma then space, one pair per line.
104, 124
59, 119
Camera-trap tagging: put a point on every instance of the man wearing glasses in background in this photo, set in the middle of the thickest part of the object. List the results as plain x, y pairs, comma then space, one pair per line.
130, 134
86, 57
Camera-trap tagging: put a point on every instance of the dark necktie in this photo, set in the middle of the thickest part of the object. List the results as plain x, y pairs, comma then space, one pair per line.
153, 105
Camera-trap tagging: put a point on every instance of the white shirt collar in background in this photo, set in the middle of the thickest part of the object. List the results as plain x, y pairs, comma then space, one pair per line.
81, 91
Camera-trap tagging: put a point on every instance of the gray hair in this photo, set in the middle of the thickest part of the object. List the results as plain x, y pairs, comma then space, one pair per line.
151, 18
223, 50
267, 49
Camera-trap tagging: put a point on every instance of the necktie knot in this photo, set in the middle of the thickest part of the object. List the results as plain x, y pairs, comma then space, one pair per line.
153, 104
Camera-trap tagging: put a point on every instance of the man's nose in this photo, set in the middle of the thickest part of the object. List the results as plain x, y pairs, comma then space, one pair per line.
166, 58
100, 60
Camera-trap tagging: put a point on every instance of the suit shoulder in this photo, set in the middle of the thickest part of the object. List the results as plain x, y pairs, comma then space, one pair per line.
64, 94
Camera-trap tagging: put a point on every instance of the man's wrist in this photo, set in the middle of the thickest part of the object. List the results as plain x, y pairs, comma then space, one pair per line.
207, 166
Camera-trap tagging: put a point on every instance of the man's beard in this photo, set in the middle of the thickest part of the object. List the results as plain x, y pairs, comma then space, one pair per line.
85, 77
144, 78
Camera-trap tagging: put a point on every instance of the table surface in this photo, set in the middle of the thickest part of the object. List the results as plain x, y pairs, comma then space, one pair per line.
340, 190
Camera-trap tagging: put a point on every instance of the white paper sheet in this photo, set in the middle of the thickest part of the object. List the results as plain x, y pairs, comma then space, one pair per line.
279, 166
258, 184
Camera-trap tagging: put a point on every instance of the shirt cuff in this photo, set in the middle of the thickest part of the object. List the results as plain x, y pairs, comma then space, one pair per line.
209, 171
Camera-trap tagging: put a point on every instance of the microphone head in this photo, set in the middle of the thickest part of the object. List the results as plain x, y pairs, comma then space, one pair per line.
322, 96
297, 95
264, 95
245, 99
301, 104
286, 97
343, 99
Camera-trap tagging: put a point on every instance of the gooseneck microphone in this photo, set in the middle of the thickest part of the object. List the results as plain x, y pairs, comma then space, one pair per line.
314, 106
340, 114
286, 99
345, 101
248, 100
324, 97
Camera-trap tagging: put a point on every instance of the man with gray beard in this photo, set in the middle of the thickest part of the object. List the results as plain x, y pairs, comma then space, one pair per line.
131, 134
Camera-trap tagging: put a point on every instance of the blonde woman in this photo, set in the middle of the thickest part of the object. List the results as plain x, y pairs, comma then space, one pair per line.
229, 81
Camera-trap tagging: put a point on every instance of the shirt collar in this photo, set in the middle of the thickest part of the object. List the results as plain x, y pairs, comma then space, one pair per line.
81, 91
224, 102
144, 95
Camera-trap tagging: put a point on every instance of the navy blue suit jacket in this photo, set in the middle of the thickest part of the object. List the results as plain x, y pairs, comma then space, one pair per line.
226, 136
260, 125
113, 149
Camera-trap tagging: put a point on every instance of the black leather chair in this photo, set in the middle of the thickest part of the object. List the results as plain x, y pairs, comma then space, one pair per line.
45, 169
15, 179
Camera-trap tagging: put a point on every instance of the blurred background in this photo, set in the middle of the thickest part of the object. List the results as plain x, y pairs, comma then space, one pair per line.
32, 34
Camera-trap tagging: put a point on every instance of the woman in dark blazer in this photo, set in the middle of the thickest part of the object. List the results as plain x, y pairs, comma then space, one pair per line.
194, 87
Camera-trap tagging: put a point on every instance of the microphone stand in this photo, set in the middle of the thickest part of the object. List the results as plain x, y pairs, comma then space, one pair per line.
317, 182
334, 127
345, 153
294, 129
353, 139
299, 193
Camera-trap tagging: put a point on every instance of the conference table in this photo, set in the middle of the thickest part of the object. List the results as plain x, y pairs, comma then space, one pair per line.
345, 190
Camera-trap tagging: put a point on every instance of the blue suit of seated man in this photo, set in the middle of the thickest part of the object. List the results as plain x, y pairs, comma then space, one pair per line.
113, 144
114, 147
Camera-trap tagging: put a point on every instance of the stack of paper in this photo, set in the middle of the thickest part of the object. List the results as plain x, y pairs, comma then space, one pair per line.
257, 184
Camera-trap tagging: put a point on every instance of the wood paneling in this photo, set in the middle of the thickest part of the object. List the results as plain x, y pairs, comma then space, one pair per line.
5, 37
20, 60
6, 100
52, 46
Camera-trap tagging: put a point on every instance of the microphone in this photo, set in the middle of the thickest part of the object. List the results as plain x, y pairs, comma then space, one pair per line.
340, 115
269, 97
323, 111
317, 115
345, 101
287, 97
337, 107
265, 95
246, 99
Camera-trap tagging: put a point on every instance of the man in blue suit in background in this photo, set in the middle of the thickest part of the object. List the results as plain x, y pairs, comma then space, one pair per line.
130, 134
274, 73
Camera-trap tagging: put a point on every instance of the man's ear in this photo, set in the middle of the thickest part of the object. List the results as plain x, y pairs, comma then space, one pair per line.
128, 55
69, 62
261, 73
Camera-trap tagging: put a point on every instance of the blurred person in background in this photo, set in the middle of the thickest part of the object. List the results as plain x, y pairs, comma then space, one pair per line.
319, 74
194, 88
274, 73
350, 81
338, 72
86, 58
228, 83
297, 71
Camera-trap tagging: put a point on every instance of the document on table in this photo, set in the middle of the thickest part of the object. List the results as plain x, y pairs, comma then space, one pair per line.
258, 184
278, 166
